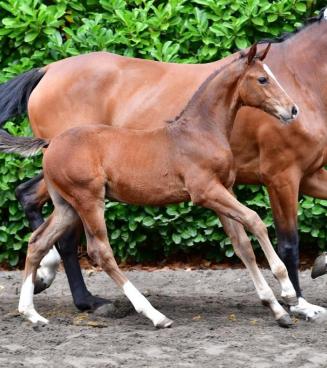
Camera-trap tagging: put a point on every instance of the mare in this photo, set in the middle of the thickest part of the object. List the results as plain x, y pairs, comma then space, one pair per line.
143, 94
189, 159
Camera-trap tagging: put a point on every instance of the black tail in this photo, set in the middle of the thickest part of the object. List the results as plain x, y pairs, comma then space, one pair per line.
15, 93
24, 146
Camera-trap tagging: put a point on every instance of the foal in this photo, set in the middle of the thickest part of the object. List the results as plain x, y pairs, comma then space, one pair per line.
189, 159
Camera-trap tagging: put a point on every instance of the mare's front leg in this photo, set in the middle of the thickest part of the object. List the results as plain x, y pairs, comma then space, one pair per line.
99, 249
212, 194
315, 185
32, 195
283, 191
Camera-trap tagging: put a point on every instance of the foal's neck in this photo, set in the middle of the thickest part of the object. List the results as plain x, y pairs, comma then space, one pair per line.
215, 104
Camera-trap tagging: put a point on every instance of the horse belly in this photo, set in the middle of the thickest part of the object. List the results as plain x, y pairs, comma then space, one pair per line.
150, 191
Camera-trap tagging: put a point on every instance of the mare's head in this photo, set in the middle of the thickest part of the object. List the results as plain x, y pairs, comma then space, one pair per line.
259, 88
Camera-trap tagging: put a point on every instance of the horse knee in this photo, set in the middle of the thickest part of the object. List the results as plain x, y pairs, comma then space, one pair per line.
256, 225
93, 253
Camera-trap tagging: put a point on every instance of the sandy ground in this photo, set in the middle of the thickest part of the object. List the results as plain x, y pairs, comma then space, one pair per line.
219, 322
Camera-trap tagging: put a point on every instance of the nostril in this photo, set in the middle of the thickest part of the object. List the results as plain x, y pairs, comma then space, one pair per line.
294, 111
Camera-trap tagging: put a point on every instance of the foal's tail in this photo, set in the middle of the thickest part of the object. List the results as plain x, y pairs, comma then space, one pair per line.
15, 93
24, 146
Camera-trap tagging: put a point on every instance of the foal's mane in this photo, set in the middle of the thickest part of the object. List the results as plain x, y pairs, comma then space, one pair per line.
203, 85
287, 35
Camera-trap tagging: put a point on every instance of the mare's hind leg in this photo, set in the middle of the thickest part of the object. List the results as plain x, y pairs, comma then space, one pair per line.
98, 247
32, 195
244, 251
41, 241
67, 247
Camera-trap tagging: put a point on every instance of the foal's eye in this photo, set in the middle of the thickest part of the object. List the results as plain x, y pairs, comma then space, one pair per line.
262, 80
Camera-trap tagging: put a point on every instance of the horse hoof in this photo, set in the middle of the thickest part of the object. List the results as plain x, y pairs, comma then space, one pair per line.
319, 267
285, 321
290, 300
165, 323
114, 310
39, 286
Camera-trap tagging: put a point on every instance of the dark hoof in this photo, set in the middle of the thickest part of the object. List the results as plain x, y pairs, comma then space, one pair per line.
40, 286
319, 267
165, 323
90, 303
285, 321
114, 310
290, 301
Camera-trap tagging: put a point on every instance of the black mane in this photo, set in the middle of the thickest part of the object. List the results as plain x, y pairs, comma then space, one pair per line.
286, 36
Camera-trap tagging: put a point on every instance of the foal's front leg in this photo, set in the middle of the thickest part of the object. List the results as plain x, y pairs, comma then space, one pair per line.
243, 249
215, 196
99, 249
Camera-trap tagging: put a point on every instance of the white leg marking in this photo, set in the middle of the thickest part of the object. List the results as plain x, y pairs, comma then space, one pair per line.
288, 290
326, 259
142, 305
26, 306
307, 310
325, 13
46, 273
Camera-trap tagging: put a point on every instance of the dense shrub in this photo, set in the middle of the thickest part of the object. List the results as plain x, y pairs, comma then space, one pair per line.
34, 33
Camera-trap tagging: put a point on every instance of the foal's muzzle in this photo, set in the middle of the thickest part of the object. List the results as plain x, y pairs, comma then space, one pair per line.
288, 117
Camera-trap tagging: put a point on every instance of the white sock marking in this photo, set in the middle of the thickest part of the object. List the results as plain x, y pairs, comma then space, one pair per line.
307, 310
26, 305
141, 304
26, 294
48, 267
325, 13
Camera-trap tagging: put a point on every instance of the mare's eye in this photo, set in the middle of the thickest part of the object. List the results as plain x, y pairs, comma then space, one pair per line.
262, 80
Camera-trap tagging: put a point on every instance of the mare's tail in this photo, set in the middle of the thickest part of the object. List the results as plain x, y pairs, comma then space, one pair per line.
15, 93
24, 146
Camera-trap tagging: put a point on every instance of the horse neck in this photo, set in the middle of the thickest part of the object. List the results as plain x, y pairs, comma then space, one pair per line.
215, 104
304, 54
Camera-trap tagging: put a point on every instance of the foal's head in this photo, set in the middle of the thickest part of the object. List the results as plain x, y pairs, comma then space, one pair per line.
259, 88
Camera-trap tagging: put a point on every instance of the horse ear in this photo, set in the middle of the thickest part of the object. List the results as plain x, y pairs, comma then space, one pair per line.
252, 53
263, 56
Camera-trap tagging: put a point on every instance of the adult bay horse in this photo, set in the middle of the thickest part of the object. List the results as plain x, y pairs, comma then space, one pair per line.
189, 159
143, 94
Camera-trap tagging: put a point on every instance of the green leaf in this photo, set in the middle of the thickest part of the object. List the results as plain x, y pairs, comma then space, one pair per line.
148, 221
30, 36
301, 7
241, 43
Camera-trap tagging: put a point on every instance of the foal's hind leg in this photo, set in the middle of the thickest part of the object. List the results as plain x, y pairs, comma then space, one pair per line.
32, 195
244, 251
98, 247
41, 241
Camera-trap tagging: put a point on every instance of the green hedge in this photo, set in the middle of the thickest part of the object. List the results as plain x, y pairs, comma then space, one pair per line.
34, 33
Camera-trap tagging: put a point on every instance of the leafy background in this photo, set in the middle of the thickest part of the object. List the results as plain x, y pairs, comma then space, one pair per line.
34, 33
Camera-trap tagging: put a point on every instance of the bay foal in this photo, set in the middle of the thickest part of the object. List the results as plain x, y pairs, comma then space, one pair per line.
189, 159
